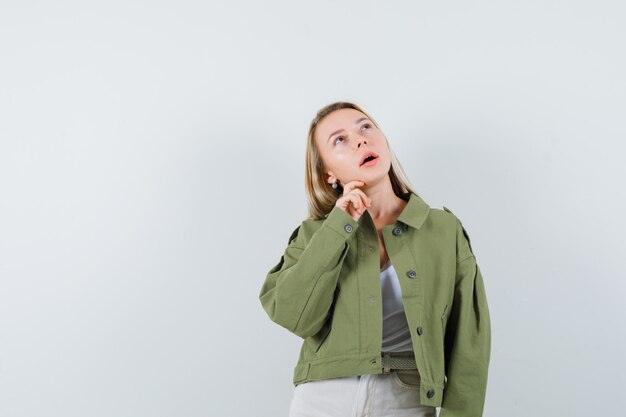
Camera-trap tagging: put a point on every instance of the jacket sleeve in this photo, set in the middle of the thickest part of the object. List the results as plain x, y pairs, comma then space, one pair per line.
299, 290
468, 337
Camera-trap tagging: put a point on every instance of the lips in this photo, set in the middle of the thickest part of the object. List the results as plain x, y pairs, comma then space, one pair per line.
367, 156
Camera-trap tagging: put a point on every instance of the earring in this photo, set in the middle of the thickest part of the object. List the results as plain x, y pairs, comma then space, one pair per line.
334, 185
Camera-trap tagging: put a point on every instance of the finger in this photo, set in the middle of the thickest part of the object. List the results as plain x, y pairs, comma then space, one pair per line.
347, 202
348, 208
366, 200
363, 198
356, 200
355, 212
352, 185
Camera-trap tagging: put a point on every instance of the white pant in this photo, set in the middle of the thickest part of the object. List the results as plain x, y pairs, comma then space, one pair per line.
371, 395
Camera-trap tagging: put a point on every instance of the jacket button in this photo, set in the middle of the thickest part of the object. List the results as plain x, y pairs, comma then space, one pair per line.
411, 274
348, 228
397, 230
430, 393
420, 330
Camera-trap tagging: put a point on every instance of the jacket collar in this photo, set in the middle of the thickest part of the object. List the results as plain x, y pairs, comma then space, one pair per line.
414, 212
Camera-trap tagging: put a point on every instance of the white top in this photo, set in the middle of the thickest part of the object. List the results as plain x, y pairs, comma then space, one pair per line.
396, 333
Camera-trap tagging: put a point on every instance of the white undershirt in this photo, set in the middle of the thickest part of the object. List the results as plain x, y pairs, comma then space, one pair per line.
396, 333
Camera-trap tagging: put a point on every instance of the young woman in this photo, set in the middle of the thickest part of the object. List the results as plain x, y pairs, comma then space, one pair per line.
384, 290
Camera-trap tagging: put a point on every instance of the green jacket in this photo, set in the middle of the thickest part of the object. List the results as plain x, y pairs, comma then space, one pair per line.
326, 289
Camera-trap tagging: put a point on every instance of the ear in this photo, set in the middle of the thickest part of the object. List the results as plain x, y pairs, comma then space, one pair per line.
330, 177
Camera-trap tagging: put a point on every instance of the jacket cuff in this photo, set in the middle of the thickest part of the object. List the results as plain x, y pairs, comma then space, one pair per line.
341, 222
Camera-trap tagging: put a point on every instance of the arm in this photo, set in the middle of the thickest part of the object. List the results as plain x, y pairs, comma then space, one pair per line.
299, 290
467, 338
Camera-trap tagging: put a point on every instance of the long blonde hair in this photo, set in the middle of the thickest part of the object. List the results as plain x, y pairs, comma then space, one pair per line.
322, 197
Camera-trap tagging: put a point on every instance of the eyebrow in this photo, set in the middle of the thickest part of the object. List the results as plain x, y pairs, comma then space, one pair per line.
340, 130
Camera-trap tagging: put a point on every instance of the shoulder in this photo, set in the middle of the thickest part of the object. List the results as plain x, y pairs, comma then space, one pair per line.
442, 215
464, 245
442, 222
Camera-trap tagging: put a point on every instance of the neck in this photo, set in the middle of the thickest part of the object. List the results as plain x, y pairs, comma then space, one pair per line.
385, 203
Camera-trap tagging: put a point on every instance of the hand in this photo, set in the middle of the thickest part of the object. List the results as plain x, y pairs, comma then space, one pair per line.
354, 201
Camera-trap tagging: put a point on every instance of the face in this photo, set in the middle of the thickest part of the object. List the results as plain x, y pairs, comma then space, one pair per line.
342, 138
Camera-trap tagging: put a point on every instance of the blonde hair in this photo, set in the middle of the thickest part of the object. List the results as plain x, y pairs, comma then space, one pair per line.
322, 197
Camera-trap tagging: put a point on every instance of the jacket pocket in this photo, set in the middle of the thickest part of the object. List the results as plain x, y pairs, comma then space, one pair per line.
317, 340
444, 320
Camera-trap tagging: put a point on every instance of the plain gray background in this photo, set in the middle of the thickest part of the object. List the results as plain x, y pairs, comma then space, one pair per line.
152, 169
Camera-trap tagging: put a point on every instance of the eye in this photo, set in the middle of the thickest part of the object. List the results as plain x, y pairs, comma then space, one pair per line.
338, 137
367, 124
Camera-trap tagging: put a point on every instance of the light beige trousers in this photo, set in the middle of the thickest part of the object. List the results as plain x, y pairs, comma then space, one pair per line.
372, 395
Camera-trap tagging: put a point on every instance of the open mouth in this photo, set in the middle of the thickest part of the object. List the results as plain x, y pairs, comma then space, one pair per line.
369, 159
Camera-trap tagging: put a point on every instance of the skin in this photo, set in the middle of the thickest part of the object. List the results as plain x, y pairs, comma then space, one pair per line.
364, 188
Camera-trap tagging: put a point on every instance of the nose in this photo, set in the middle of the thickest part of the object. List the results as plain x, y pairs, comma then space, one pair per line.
358, 141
